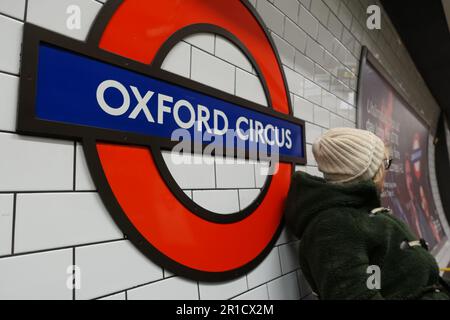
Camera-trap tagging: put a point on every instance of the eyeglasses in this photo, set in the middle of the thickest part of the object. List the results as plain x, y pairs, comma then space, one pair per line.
387, 163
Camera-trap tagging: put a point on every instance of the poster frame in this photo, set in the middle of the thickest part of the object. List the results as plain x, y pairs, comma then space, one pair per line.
368, 58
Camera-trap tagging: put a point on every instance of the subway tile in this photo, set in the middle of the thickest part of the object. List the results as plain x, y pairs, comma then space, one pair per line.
314, 51
325, 38
331, 64
9, 93
333, 5
306, 3
53, 220
322, 77
222, 290
294, 35
320, 11
273, 18
357, 11
350, 61
212, 71
357, 30
285, 235
188, 193
35, 163
218, 201
232, 54
312, 132
174, 288
348, 40
300, 168
38, 276
284, 288
307, 22
204, 41
311, 296
235, 175
249, 87
11, 41
247, 196
321, 117
311, 159
118, 260
117, 296
178, 60
335, 26
352, 114
314, 171
339, 51
289, 257
285, 51
295, 81
343, 75
13, 8
191, 171
329, 101
345, 15
304, 65
6, 223
267, 270
261, 173
313, 92
288, 7
305, 288
342, 109
303, 109
58, 15
259, 293
83, 179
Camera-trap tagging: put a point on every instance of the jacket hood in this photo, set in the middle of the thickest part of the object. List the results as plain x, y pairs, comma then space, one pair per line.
310, 195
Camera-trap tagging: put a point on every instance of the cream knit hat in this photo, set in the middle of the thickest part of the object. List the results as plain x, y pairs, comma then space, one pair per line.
347, 154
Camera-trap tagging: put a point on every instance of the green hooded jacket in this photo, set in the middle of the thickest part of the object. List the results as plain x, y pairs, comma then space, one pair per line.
340, 239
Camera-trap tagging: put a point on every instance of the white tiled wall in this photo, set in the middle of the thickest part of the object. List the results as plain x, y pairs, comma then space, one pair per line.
319, 42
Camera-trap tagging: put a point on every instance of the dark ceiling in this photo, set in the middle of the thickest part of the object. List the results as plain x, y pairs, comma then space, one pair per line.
423, 27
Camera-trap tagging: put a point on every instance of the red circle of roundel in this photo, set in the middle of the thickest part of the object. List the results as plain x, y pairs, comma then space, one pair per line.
137, 30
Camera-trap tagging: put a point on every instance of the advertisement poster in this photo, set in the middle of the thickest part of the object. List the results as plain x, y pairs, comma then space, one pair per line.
407, 189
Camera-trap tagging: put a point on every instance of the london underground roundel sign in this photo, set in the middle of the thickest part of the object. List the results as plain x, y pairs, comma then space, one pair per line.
111, 93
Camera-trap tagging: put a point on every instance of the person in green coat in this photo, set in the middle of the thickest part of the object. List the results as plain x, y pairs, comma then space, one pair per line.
351, 247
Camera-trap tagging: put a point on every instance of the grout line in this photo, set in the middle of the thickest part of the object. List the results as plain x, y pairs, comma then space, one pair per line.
126, 289
235, 77
74, 279
74, 165
198, 290
14, 223
190, 61
239, 200
60, 248
49, 192
222, 59
11, 17
10, 73
279, 259
215, 179
26, 10
263, 284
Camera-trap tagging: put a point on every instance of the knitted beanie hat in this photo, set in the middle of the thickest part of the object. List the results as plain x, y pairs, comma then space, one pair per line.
347, 154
